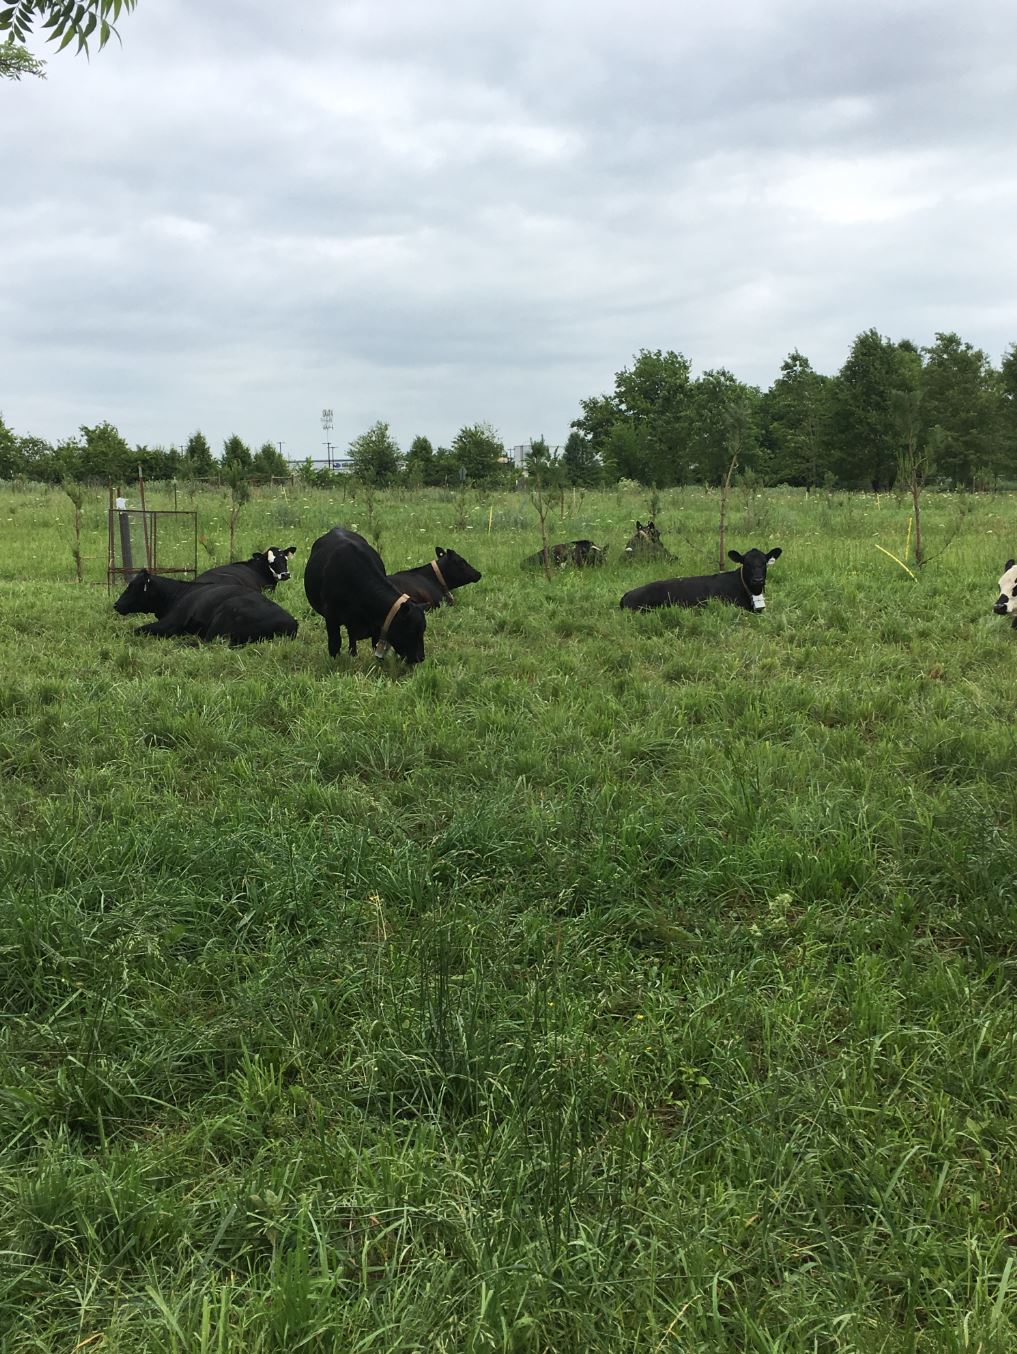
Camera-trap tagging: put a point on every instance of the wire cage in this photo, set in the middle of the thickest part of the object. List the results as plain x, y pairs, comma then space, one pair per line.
161, 540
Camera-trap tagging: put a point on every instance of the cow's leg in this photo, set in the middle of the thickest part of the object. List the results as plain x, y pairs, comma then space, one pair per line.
156, 628
335, 638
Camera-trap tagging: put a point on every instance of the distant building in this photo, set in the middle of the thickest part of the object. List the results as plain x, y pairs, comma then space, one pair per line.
517, 455
339, 461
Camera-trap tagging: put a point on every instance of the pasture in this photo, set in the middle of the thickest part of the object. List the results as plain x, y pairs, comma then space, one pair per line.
608, 982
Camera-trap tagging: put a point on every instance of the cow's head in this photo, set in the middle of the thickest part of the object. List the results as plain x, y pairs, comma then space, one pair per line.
405, 634
278, 561
1006, 602
135, 597
454, 569
646, 540
752, 567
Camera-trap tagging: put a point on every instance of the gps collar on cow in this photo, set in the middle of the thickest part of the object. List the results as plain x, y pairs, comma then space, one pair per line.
381, 648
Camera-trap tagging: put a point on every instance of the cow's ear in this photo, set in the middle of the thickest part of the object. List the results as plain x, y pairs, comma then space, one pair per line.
438, 552
290, 550
639, 525
1008, 565
738, 559
773, 554
258, 555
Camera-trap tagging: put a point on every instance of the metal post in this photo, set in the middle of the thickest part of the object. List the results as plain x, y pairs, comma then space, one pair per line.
126, 556
144, 520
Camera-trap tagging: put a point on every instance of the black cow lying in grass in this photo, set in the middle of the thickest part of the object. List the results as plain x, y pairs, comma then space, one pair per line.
208, 610
260, 572
582, 554
1006, 602
646, 543
345, 582
431, 584
741, 587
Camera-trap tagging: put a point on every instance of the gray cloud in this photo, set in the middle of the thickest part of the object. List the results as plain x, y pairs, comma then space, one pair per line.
434, 214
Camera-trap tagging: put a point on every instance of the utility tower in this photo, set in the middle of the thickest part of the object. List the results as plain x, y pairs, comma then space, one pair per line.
326, 427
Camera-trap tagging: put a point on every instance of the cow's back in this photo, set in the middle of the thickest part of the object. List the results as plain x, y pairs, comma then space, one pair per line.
339, 562
238, 575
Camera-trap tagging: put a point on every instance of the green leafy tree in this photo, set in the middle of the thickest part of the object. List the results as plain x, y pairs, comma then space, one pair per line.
157, 463
419, 461
722, 424
960, 396
445, 468
1006, 395
198, 462
640, 431
478, 450
104, 455
579, 461
63, 463
236, 458
596, 423
793, 414
64, 21
269, 462
862, 429
656, 394
36, 457
626, 454
540, 461
16, 61
12, 461
375, 456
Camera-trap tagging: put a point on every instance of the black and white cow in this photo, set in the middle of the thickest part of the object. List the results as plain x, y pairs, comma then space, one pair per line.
431, 584
741, 587
583, 554
209, 610
1006, 602
345, 582
260, 572
646, 543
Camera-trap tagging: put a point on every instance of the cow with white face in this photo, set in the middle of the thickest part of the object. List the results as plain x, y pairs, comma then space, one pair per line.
1006, 602
260, 573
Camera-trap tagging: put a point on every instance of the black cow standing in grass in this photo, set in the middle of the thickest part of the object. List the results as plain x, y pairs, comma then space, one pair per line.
741, 587
431, 584
583, 554
260, 572
345, 582
646, 543
209, 610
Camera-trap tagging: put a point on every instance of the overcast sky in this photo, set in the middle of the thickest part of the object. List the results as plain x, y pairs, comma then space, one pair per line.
439, 212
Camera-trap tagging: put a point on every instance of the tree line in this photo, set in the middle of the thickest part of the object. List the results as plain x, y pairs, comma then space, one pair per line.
945, 404
943, 407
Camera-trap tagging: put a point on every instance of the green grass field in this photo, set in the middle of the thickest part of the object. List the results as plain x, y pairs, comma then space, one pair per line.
607, 983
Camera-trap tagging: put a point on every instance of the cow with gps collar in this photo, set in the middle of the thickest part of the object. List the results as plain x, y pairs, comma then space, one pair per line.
432, 584
345, 583
741, 587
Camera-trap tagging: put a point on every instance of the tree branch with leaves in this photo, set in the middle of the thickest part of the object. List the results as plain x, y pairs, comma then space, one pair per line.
63, 22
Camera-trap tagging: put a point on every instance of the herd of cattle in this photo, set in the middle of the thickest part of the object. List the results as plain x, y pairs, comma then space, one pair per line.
346, 584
